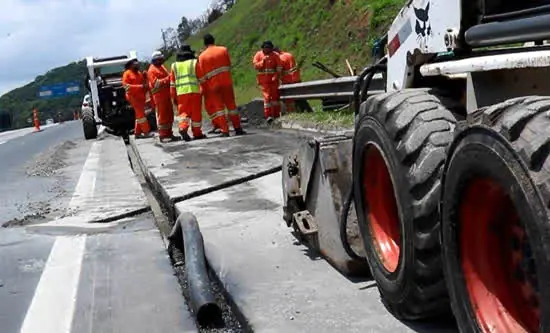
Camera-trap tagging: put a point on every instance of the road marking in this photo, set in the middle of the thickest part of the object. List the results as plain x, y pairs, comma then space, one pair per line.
53, 305
54, 301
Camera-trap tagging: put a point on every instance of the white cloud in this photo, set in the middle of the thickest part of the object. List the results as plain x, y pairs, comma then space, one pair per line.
37, 35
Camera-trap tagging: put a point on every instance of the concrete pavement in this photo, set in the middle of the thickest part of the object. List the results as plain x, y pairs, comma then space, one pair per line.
278, 284
70, 273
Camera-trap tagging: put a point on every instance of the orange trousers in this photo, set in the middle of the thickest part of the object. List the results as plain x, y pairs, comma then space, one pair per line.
190, 110
217, 99
142, 124
272, 103
165, 115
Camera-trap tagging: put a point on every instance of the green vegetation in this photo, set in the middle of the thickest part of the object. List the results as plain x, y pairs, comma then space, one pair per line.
329, 31
21, 101
332, 119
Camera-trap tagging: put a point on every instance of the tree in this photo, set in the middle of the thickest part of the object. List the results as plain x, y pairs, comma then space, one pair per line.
226, 5
184, 30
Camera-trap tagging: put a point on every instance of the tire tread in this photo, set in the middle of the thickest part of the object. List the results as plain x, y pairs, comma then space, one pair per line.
421, 125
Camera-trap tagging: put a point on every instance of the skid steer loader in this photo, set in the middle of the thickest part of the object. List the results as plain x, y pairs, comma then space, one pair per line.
447, 173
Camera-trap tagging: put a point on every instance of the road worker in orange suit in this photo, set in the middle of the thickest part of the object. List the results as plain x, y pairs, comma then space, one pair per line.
158, 78
186, 94
135, 85
269, 67
290, 74
214, 73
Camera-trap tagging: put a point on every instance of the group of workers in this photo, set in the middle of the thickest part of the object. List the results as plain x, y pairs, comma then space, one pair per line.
190, 79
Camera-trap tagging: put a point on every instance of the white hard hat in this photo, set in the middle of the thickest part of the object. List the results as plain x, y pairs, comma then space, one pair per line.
157, 55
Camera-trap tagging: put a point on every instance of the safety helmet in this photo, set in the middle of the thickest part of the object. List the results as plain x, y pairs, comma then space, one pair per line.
157, 55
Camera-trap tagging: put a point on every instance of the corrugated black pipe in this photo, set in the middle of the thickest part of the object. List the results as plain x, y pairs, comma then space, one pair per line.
186, 236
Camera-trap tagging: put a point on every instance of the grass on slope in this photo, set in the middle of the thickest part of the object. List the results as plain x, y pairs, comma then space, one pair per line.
339, 119
329, 31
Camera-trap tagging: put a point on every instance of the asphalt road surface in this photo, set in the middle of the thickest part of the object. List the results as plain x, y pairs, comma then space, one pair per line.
61, 270
22, 193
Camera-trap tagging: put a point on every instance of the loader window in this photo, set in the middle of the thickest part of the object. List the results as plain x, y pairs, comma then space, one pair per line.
497, 7
110, 70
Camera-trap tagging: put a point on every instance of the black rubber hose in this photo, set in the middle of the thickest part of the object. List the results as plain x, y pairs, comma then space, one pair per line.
344, 227
201, 298
360, 90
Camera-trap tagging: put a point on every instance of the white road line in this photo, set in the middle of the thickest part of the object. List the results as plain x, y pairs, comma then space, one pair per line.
53, 305
54, 301
86, 183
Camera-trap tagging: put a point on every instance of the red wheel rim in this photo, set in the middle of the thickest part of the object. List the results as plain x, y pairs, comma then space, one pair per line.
381, 208
498, 266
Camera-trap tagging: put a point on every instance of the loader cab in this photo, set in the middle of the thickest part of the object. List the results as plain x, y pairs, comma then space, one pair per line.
525, 21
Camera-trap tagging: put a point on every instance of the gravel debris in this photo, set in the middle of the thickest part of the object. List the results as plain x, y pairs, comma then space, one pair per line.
49, 162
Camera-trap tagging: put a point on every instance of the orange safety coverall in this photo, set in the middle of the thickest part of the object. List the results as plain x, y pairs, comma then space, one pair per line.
189, 106
159, 85
291, 74
214, 73
269, 69
134, 85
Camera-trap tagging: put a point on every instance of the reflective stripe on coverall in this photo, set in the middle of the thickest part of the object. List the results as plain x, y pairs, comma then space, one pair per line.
269, 69
214, 73
291, 74
186, 91
133, 83
159, 85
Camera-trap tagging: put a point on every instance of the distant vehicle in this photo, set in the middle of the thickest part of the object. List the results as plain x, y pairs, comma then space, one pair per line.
49, 121
106, 103
5, 121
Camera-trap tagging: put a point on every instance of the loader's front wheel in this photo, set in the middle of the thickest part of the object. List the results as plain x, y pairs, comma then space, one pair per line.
401, 141
496, 220
89, 125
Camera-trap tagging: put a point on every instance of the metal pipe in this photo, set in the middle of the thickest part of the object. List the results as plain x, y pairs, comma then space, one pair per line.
186, 236
508, 32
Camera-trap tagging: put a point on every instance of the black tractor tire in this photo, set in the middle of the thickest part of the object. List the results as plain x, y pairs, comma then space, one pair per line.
401, 142
89, 125
496, 218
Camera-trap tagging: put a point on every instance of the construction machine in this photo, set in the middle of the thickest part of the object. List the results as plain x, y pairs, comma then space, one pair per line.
108, 106
442, 191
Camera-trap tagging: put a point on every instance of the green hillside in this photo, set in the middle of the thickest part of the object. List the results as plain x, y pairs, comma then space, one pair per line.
20, 102
329, 31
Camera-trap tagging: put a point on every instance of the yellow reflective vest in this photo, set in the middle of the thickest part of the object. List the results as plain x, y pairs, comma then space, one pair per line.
185, 77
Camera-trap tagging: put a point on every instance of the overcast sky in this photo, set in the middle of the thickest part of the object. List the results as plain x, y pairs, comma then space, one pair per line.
37, 35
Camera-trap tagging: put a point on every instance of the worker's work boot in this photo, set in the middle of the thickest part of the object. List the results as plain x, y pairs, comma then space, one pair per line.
200, 137
145, 136
185, 136
214, 131
269, 120
172, 138
239, 131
